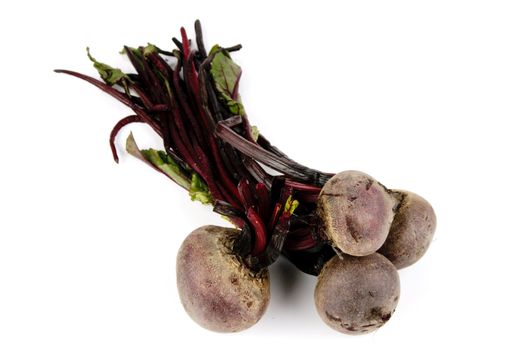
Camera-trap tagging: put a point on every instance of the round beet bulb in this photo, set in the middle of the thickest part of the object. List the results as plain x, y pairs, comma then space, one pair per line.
357, 295
355, 212
215, 287
412, 230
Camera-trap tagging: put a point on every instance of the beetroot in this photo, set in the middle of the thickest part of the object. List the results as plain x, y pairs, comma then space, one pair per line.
357, 295
216, 288
355, 212
411, 232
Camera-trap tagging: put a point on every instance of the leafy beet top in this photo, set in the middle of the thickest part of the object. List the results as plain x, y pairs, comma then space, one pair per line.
190, 98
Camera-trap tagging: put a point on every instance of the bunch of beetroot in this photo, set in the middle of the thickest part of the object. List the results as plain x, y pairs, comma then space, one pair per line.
347, 228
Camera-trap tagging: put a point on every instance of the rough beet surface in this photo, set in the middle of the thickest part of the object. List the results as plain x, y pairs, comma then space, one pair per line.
216, 289
357, 295
411, 232
355, 212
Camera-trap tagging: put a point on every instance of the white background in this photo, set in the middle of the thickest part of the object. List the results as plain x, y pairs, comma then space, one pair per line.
423, 95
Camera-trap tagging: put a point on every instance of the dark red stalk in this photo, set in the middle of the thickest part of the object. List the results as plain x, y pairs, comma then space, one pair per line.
263, 141
301, 238
224, 178
181, 134
298, 246
247, 198
200, 164
142, 98
185, 154
231, 166
190, 74
119, 96
278, 238
190, 152
258, 173
178, 43
102, 86
305, 193
203, 168
233, 213
279, 235
226, 209
202, 126
258, 153
275, 214
159, 64
183, 106
185, 43
164, 52
211, 107
200, 41
158, 108
260, 231
192, 82
148, 77
301, 186
195, 125
235, 162
167, 137
301, 232
175, 132
210, 102
121, 123
307, 197
263, 200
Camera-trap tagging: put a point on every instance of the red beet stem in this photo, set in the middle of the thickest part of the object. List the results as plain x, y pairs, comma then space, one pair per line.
301, 186
245, 192
301, 244
260, 231
253, 150
184, 107
122, 123
263, 200
119, 96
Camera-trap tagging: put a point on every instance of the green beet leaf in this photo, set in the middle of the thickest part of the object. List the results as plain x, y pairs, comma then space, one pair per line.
109, 74
164, 163
226, 75
199, 191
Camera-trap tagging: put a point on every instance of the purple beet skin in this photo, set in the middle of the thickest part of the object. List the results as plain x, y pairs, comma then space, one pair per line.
355, 212
216, 289
412, 230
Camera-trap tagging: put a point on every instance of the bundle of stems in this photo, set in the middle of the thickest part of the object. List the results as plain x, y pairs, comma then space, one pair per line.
190, 98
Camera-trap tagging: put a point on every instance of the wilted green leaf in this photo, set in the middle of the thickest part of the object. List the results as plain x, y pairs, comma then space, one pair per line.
226, 75
149, 49
163, 162
160, 161
109, 74
199, 191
